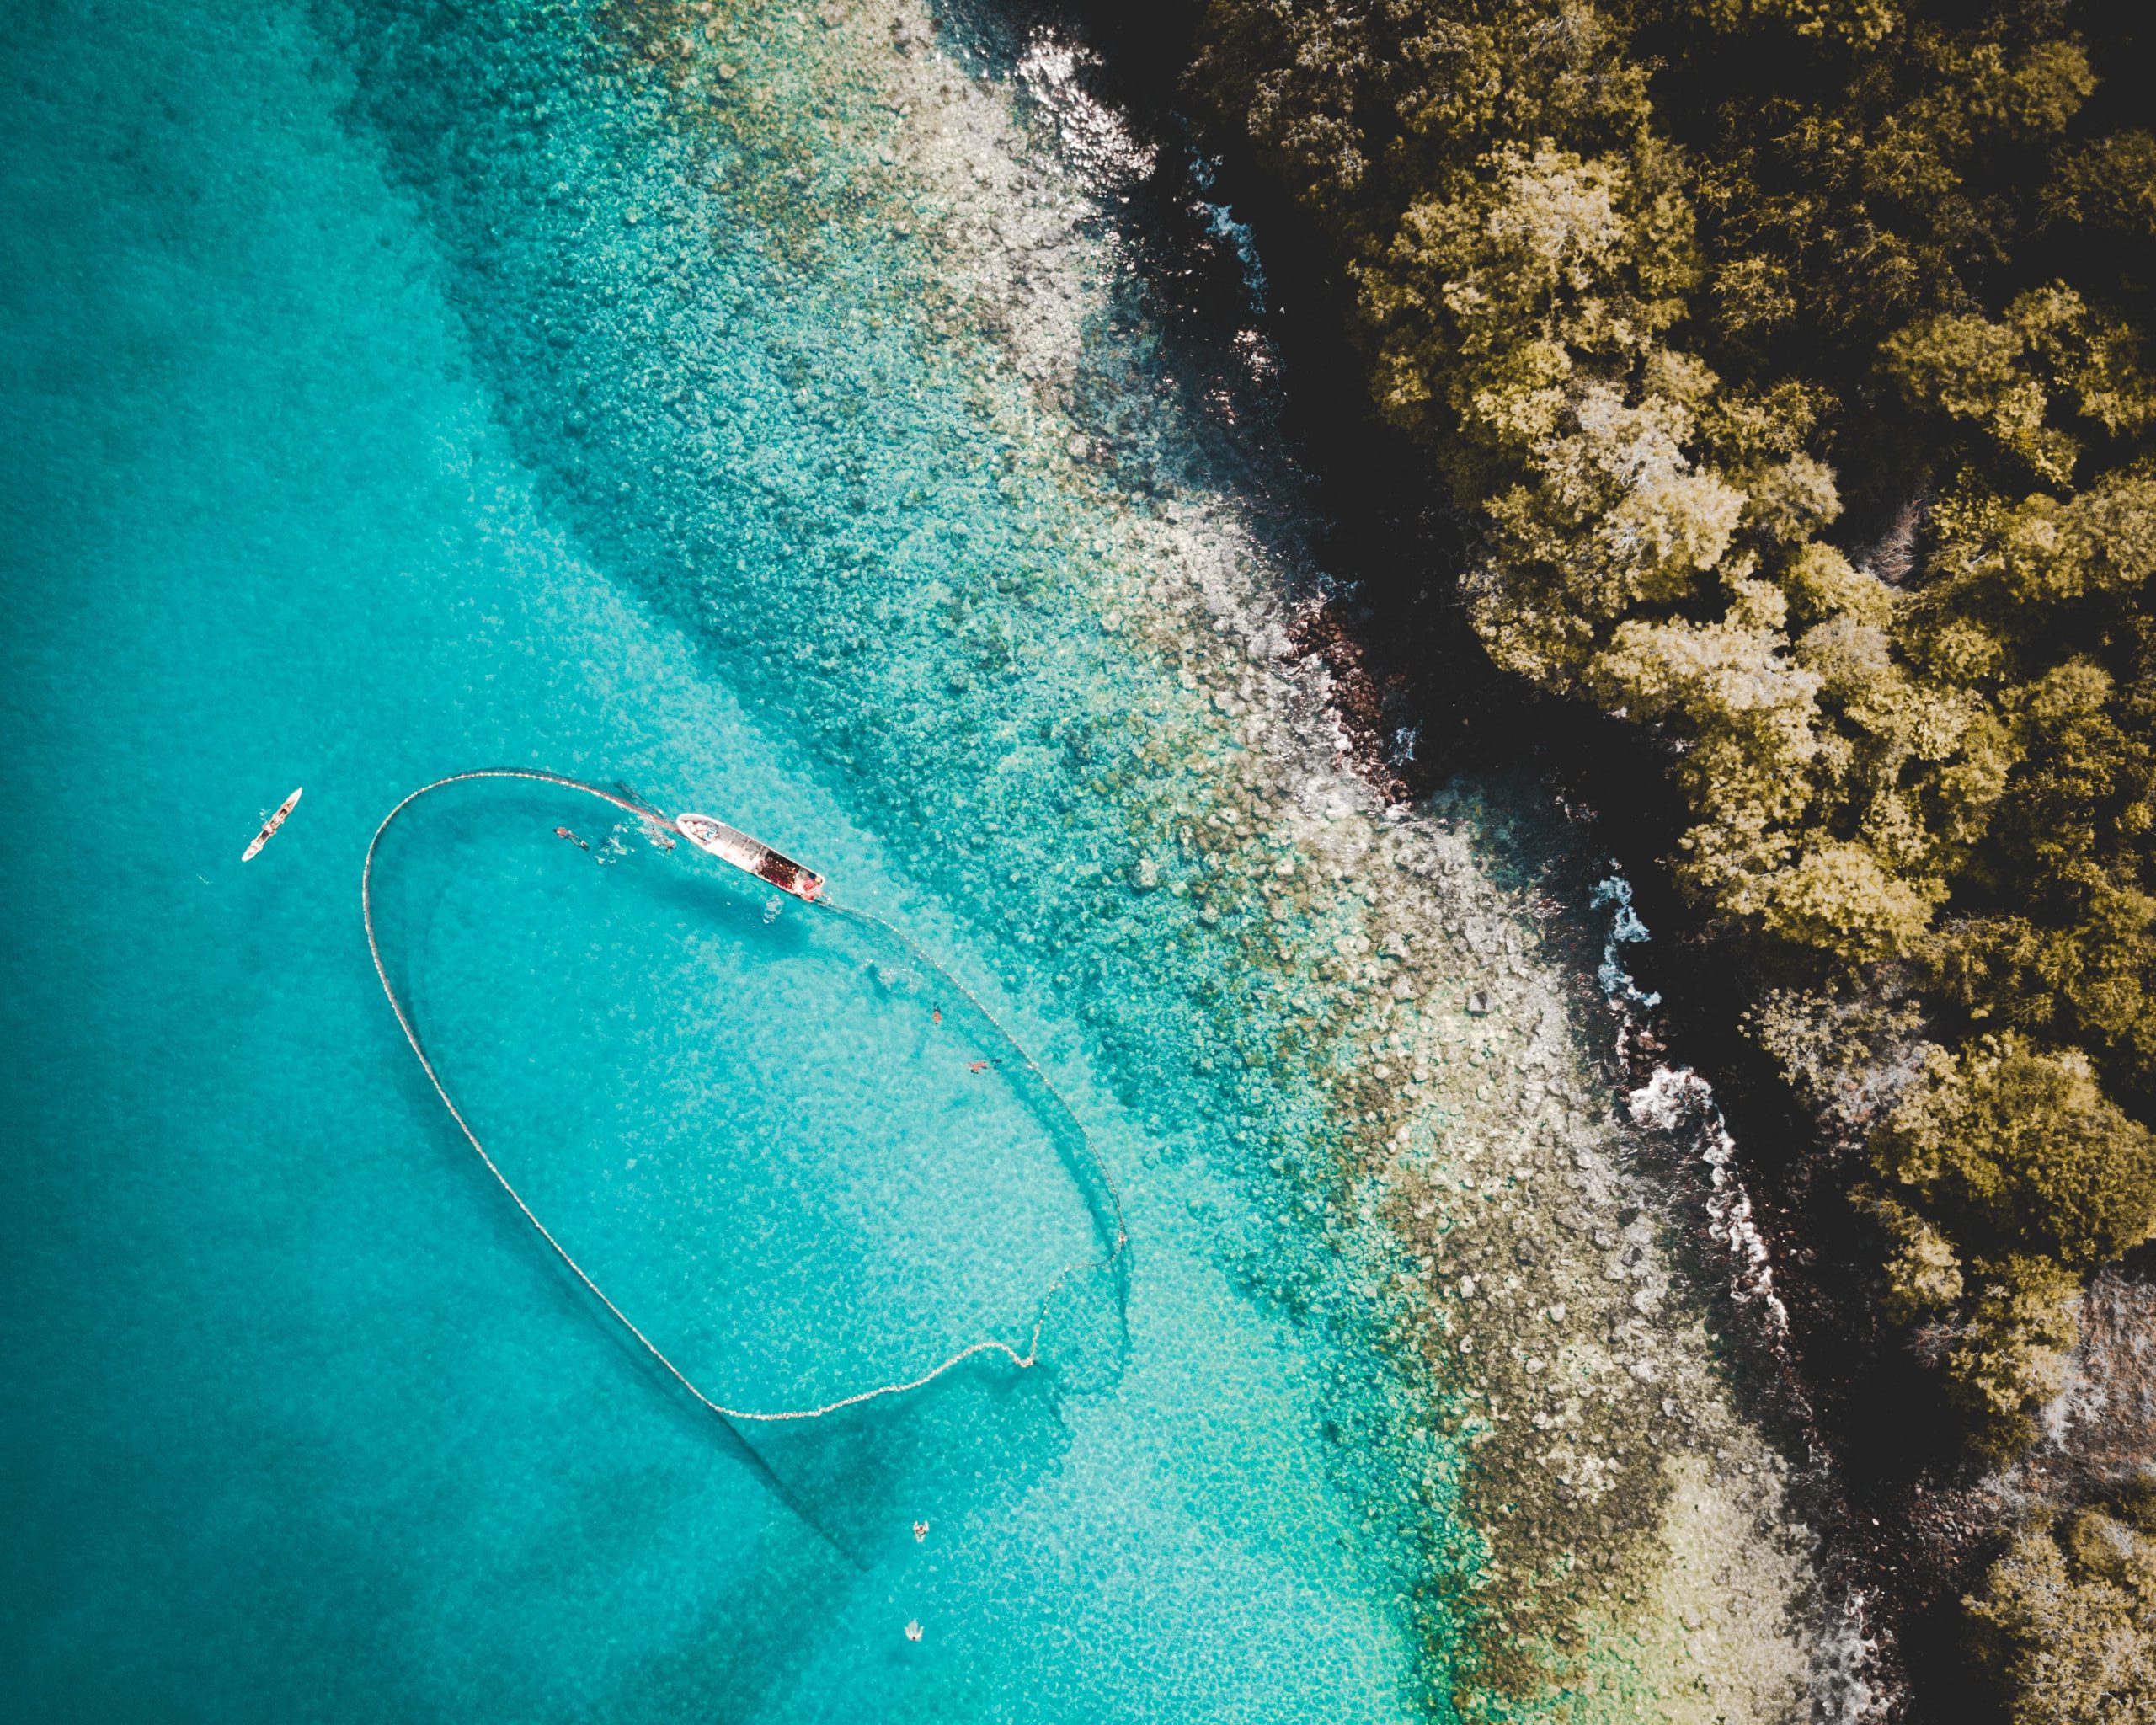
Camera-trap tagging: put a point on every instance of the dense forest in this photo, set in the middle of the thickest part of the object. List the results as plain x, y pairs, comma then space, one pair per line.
1788, 361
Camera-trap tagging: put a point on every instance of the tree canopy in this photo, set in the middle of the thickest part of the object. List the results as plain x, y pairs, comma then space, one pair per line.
1789, 359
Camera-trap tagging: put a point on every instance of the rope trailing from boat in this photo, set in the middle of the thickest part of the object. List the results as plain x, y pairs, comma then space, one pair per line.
1025, 1359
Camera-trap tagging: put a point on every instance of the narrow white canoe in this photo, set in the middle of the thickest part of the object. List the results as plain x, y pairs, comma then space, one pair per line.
270, 826
731, 844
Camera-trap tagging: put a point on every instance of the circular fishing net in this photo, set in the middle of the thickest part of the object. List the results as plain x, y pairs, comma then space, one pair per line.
786, 1152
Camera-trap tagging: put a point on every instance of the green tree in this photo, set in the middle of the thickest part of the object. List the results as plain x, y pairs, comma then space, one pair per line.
2067, 1619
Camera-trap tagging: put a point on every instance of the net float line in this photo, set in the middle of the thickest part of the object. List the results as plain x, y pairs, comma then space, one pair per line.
1023, 1360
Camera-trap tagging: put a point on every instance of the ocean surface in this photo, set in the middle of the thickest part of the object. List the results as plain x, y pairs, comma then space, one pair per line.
306, 481
836, 421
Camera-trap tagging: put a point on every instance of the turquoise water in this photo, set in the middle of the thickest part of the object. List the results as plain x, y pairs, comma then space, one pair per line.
354, 435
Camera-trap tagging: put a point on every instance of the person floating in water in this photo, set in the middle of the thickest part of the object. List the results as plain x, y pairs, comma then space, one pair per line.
913, 1629
920, 1532
936, 1017
978, 1066
563, 832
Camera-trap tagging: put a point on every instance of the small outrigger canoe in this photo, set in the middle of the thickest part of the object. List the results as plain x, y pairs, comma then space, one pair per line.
754, 856
270, 826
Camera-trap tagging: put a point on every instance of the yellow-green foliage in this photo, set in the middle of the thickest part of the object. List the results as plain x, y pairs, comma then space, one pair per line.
2020, 1157
2017, 1149
1543, 305
2010, 1357
2048, 358
1923, 1271
2067, 1618
1662, 286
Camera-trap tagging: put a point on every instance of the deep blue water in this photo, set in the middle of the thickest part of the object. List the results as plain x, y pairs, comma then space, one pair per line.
347, 438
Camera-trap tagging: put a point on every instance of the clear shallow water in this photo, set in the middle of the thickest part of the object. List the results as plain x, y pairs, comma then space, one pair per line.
789, 1147
301, 1425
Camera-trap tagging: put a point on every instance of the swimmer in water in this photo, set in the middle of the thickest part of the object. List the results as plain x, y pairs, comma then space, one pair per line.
920, 1532
913, 1629
936, 1017
563, 832
978, 1066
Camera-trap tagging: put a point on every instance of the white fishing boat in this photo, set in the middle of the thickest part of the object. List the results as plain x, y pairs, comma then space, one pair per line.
270, 826
753, 855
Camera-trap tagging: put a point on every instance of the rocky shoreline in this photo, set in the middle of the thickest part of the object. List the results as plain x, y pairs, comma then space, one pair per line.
1909, 1524
1636, 1544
